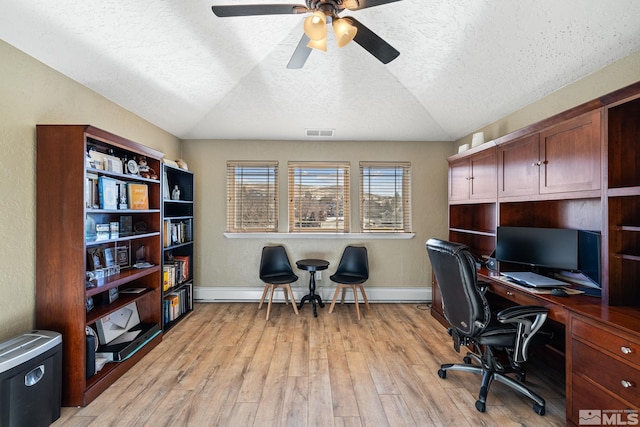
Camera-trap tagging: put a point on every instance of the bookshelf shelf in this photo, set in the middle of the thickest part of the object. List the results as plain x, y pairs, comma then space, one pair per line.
79, 173
178, 245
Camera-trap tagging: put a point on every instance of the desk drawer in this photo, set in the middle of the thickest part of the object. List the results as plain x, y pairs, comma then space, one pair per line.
556, 311
520, 298
623, 347
587, 396
619, 378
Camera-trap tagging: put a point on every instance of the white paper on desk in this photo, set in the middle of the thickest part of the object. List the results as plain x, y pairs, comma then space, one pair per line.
126, 337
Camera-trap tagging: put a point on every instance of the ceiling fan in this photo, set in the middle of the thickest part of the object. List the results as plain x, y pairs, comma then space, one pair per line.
315, 26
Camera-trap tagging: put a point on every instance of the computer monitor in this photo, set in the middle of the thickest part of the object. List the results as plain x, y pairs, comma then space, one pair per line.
555, 248
589, 250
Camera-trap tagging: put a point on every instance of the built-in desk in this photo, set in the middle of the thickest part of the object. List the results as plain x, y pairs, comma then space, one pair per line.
517, 294
601, 349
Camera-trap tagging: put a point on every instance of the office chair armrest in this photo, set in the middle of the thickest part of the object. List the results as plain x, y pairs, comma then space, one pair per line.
483, 286
518, 311
528, 319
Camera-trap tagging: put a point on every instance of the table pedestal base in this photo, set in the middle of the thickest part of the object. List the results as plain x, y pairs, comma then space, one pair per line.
312, 298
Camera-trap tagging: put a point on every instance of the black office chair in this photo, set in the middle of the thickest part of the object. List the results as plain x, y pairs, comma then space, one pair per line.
352, 272
276, 272
472, 324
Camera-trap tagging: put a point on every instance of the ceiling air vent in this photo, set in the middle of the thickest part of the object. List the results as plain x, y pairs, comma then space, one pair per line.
320, 132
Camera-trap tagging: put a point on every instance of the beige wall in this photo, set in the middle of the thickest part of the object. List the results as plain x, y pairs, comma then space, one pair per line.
31, 93
393, 263
615, 76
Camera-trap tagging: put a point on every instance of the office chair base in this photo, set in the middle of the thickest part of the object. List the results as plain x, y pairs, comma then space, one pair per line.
487, 378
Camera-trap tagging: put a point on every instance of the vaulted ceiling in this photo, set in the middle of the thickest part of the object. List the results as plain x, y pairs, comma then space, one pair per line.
463, 63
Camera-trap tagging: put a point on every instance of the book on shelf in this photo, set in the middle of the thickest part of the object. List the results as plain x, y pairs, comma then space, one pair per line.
138, 196
91, 197
176, 303
177, 232
108, 193
184, 265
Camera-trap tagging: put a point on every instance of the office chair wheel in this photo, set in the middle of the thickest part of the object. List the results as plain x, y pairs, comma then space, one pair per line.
539, 409
442, 373
467, 360
481, 406
521, 376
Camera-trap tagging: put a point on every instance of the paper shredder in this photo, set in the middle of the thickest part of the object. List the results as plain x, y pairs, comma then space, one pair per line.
30, 379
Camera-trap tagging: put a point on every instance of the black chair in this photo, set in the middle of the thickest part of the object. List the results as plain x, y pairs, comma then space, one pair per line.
276, 272
352, 272
510, 331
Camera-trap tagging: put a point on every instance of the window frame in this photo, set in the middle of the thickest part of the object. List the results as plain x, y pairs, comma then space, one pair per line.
366, 177
237, 224
296, 171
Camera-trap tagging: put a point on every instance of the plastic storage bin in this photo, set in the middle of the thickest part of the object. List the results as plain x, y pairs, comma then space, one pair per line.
30, 379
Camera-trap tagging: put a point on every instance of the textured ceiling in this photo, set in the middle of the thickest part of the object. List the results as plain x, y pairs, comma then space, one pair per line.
463, 63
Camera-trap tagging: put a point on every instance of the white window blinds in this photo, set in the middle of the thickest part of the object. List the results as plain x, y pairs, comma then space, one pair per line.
319, 197
385, 196
252, 196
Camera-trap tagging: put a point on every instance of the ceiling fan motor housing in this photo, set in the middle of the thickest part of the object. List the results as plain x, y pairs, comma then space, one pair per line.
330, 8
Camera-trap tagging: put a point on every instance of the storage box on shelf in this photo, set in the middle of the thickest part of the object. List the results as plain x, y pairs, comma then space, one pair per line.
94, 240
178, 245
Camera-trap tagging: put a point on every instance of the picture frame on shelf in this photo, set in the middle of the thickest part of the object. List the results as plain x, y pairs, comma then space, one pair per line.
94, 259
126, 225
109, 256
123, 255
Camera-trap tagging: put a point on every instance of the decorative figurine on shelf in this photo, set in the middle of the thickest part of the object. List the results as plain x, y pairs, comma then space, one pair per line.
144, 170
182, 164
175, 194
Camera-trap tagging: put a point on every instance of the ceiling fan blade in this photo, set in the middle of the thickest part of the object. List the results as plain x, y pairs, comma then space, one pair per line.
373, 43
301, 54
363, 4
258, 9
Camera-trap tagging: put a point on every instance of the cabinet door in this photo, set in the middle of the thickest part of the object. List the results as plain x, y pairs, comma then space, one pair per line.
459, 179
571, 153
483, 175
519, 167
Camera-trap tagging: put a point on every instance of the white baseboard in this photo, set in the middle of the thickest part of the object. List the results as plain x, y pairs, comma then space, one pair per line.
253, 294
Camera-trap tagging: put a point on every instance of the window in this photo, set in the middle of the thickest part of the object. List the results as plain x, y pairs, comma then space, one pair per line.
252, 196
319, 197
385, 197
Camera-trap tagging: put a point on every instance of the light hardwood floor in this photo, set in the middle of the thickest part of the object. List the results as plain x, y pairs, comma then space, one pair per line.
226, 366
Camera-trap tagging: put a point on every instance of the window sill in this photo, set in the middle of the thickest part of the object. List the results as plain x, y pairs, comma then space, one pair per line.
358, 236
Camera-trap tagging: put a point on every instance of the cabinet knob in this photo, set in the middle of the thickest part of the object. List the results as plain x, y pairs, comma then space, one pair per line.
510, 293
626, 384
626, 350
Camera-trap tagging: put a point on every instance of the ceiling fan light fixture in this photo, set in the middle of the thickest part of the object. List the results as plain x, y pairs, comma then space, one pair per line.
315, 26
318, 44
344, 31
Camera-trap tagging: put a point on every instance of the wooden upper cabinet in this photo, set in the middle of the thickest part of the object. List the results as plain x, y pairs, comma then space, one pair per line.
518, 167
571, 155
564, 158
459, 180
473, 177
